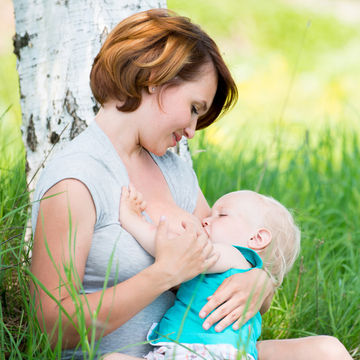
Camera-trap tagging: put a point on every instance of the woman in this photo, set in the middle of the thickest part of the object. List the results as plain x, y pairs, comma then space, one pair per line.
158, 77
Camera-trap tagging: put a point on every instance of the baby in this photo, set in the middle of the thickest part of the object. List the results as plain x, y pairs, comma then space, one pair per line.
248, 230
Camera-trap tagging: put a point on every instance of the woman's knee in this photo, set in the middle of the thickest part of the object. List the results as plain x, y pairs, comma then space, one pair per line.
332, 348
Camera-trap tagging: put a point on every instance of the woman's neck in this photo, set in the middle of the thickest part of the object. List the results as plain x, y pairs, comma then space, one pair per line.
122, 130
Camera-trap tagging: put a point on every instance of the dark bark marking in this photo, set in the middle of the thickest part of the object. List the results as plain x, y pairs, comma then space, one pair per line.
20, 42
62, 2
54, 137
27, 167
78, 125
96, 106
31, 139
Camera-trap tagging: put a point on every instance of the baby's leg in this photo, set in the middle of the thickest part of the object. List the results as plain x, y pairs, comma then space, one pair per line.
312, 347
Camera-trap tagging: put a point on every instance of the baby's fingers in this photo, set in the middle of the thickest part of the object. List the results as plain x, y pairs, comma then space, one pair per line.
124, 192
133, 193
143, 206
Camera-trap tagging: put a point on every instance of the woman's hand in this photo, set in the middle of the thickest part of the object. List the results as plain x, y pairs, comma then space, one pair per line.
237, 299
180, 217
183, 256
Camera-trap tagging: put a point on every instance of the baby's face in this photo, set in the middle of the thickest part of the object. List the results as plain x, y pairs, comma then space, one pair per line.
235, 218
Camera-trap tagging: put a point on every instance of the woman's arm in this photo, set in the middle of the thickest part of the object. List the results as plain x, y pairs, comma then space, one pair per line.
177, 259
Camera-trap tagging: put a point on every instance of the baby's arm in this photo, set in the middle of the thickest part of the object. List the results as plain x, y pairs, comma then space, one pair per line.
131, 219
229, 257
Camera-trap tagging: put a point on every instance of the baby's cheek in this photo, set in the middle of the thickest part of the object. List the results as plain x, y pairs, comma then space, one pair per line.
217, 235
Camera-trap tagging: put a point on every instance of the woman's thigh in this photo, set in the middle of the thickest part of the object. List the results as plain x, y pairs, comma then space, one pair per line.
312, 347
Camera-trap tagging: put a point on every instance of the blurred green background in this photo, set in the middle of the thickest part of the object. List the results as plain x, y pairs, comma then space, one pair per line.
296, 64
11, 147
294, 135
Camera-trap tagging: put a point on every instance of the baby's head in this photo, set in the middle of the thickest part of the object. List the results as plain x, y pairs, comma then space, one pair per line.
246, 218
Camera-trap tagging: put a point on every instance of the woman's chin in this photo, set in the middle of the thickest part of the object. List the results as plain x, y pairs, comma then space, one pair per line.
158, 152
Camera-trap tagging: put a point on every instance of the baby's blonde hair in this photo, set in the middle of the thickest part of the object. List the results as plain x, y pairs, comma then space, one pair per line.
280, 255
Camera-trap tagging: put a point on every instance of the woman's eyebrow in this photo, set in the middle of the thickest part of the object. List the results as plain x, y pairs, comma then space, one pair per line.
203, 105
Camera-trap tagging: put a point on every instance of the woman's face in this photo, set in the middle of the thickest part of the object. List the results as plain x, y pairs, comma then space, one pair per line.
170, 112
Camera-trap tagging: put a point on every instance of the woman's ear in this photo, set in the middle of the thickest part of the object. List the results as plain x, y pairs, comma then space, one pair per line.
152, 89
260, 240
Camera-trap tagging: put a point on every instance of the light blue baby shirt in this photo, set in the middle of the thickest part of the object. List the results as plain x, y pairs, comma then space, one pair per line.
182, 323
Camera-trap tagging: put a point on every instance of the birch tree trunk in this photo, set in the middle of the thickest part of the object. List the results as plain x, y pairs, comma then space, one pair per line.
56, 42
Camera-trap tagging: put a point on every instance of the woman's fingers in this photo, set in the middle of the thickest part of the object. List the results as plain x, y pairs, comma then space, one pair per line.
194, 223
228, 313
219, 297
232, 304
185, 255
236, 315
190, 227
161, 234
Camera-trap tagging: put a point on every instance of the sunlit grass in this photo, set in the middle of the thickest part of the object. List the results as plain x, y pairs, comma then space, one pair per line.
293, 135
281, 54
320, 295
11, 145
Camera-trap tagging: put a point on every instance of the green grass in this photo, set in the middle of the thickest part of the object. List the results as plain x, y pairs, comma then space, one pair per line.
321, 294
293, 135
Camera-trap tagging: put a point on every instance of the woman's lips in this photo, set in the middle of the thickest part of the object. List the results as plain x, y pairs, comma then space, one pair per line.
177, 136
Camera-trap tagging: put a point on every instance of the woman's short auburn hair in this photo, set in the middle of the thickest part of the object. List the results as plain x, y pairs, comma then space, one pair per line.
158, 47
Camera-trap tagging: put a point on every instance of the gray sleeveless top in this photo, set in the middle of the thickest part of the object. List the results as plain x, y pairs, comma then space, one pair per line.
92, 159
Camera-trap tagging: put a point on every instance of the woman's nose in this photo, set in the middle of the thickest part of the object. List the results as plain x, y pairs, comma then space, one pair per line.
189, 131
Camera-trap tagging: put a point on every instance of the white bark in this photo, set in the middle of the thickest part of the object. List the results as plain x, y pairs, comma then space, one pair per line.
56, 42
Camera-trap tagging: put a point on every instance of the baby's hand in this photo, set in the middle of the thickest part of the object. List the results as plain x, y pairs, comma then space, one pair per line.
132, 205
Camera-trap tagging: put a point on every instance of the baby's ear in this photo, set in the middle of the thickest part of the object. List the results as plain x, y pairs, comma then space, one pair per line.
260, 240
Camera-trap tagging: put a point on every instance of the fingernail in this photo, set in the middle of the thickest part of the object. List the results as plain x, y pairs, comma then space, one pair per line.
206, 325
202, 314
162, 218
236, 327
218, 328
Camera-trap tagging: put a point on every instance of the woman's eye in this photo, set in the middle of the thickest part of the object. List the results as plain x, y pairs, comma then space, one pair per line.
222, 214
194, 110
